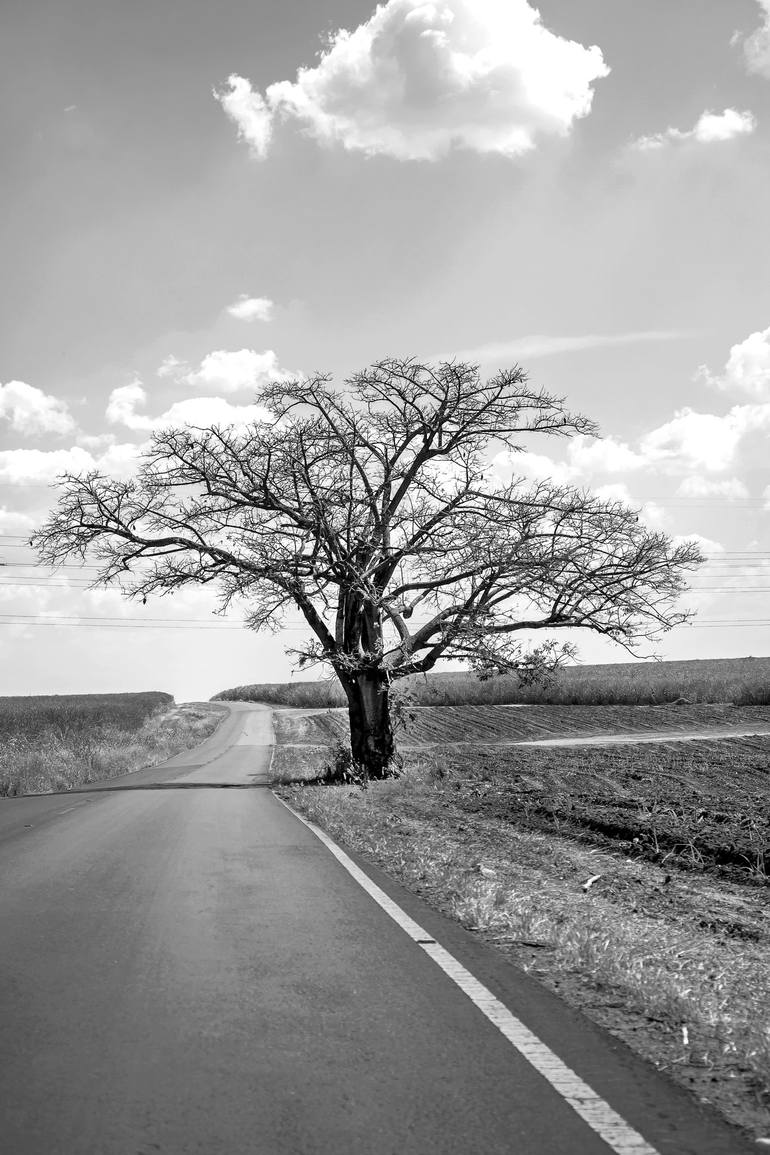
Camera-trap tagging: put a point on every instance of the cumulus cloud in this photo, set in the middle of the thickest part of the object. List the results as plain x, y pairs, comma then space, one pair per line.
249, 112
228, 370
529, 466
247, 308
587, 458
33, 413
711, 128
747, 369
730, 488
696, 440
41, 467
198, 412
591, 455
756, 47
704, 441
417, 79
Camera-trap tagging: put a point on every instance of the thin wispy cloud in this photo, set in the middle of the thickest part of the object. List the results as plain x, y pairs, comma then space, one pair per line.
544, 345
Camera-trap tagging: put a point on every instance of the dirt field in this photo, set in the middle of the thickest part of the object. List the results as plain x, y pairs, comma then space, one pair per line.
694, 804
495, 725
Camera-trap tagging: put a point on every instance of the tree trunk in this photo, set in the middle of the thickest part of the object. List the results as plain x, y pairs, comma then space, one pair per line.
371, 733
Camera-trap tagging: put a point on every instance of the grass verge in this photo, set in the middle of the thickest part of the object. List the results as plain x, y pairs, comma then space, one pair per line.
52, 759
674, 963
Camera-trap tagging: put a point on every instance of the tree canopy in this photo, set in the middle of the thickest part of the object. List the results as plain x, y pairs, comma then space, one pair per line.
374, 511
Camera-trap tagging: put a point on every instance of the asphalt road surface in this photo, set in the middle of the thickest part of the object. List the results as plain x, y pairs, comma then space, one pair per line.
185, 967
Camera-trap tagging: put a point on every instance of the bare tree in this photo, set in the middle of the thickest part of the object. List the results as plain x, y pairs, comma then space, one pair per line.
373, 511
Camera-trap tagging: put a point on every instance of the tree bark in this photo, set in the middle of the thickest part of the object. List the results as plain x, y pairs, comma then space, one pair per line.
372, 742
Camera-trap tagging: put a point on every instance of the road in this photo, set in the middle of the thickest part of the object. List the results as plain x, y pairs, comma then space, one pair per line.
185, 967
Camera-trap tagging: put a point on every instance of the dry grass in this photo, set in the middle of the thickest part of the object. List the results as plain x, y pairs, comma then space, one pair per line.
634, 950
52, 758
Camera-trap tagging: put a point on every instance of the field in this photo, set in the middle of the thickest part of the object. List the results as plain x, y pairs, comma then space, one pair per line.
742, 681
631, 879
697, 804
57, 742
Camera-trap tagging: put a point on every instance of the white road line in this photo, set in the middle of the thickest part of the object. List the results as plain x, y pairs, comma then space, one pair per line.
619, 1135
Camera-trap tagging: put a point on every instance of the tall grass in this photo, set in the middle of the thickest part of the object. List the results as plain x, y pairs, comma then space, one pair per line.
742, 681
70, 714
83, 739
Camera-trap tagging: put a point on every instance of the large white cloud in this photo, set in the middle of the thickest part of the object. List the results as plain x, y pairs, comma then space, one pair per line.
42, 467
693, 441
756, 47
710, 128
33, 413
417, 79
228, 371
747, 369
247, 308
199, 412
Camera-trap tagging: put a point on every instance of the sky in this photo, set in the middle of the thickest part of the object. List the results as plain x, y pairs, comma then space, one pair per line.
199, 198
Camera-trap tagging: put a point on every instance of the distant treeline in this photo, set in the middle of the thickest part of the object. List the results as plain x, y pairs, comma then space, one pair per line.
743, 681
67, 714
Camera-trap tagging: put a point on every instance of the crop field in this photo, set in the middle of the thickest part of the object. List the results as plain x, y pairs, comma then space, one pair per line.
697, 804
60, 741
501, 725
700, 805
741, 681
69, 713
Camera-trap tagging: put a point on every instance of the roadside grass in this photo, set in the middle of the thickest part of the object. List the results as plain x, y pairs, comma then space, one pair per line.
697, 806
673, 963
741, 681
49, 756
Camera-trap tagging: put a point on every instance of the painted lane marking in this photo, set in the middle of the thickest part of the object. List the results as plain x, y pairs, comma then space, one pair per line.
619, 1135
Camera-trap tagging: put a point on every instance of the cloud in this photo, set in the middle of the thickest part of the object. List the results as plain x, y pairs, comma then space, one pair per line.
42, 467
711, 127
530, 466
33, 413
248, 308
747, 369
592, 455
730, 488
14, 523
704, 441
542, 345
417, 79
756, 47
198, 412
228, 370
249, 112
696, 440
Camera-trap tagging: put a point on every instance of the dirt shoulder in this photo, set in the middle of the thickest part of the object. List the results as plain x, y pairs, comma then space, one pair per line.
671, 960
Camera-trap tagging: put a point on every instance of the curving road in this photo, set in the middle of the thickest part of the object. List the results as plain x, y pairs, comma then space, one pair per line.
185, 967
